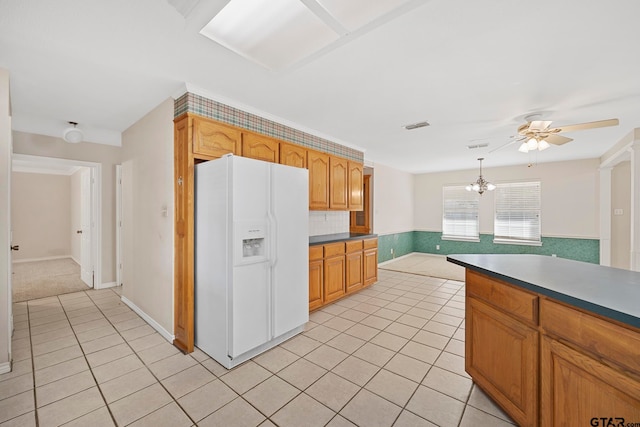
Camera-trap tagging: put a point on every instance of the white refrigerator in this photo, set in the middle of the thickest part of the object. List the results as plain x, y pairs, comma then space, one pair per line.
251, 256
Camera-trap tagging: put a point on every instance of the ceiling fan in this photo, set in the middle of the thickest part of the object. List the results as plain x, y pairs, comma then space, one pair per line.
538, 134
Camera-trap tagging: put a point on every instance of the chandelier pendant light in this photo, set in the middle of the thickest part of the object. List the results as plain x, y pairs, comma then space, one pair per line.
481, 185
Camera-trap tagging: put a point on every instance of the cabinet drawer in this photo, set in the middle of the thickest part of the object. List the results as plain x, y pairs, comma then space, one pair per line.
354, 246
315, 252
617, 344
333, 249
370, 243
516, 302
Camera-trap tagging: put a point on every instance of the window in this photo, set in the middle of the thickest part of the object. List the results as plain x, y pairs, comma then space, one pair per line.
517, 213
459, 213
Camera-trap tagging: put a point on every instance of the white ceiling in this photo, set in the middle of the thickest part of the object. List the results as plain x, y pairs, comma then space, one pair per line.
473, 69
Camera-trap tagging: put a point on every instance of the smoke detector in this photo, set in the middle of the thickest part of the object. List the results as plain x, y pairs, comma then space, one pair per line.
73, 135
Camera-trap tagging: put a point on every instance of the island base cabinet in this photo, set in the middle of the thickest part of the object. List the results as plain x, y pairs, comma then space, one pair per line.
579, 390
501, 356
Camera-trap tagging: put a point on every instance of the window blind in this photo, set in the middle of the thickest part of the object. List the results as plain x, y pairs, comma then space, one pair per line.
459, 213
517, 212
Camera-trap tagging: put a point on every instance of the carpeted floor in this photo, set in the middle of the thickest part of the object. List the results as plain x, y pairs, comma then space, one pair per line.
39, 279
426, 265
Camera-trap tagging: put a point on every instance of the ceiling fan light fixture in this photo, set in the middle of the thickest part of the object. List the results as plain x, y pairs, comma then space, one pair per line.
73, 135
543, 145
524, 148
532, 144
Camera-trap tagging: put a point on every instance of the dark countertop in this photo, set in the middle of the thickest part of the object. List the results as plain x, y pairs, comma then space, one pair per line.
610, 292
339, 237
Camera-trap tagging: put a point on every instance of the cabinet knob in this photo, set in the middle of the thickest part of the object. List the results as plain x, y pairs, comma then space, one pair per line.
78, 231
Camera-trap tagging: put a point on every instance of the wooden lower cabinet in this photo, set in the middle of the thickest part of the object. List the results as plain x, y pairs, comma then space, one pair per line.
549, 363
370, 261
576, 389
316, 277
502, 357
354, 272
334, 283
342, 270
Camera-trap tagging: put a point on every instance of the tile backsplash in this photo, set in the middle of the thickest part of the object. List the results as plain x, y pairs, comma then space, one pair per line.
328, 222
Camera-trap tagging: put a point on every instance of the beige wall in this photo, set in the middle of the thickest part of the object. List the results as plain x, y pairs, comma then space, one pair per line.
41, 215
5, 257
108, 156
570, 196
147, 229
621, 224
393, 203
75, 219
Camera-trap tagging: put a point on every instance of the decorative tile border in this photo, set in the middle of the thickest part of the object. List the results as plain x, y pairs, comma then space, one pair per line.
193, 103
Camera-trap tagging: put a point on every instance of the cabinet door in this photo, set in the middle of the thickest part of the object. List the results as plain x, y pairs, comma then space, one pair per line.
338, 183
354, 274
260, 147
293, 155
316, 277
575, 389
355, 195
214, 139
501, 354
370, 262
318, 164
334, 270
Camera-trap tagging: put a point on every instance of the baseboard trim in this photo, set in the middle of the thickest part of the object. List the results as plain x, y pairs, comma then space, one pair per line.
382, 264
75, 260
155, 325
5, 367
105, 285
48, 258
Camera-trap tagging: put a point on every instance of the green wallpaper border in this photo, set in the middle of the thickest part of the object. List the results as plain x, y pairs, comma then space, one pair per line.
587, 250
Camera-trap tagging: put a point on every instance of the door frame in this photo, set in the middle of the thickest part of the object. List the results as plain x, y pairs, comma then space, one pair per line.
118, 225
366, 207
96, 203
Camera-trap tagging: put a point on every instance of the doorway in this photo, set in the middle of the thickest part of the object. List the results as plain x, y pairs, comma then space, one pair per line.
360, 221
55, 223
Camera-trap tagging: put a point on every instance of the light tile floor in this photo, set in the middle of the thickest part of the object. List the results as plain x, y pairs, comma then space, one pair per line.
392, 354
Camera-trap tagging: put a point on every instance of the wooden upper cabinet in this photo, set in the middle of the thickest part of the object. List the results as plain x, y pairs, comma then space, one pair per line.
356, 196
338, 183
212, 139
318, 165
260, 147
293, 155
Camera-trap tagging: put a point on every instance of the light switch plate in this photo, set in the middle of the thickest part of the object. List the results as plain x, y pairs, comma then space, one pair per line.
618, 211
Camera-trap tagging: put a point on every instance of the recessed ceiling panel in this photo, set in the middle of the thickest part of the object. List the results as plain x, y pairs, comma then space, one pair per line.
274, 33
354, 14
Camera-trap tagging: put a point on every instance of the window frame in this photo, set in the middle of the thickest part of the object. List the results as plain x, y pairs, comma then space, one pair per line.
476, 197
517, 240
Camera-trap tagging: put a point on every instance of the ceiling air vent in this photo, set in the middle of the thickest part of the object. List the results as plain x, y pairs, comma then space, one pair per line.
417, 125
474, 146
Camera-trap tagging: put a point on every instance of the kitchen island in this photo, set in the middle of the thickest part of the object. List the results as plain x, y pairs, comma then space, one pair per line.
554, 341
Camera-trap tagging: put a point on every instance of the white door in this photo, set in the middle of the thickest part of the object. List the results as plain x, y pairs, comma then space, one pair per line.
6, 314
86, 268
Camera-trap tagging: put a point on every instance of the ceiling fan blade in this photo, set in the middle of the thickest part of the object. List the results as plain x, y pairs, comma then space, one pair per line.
583, 126
557, 139
539, 125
